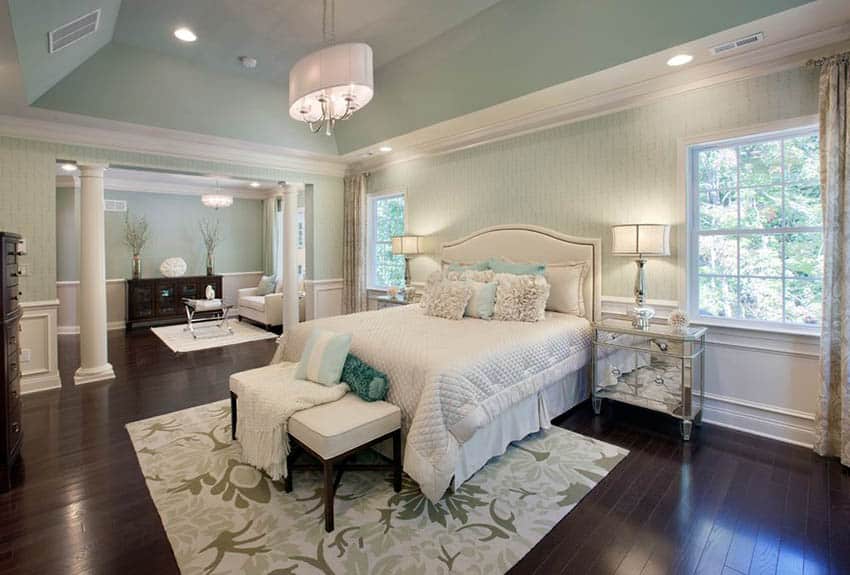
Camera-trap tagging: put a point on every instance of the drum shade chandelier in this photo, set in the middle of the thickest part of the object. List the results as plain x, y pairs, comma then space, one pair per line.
330, 84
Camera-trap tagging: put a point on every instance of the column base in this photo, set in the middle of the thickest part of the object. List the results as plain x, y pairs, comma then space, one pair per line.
92, 374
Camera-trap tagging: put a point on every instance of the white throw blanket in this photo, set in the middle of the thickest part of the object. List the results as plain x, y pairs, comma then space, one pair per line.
451, 378
265, 406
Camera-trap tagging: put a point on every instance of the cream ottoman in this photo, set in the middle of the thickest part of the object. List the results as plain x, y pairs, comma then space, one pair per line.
332, 433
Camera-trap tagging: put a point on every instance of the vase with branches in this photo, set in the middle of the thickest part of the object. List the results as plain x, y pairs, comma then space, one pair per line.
136, 234
212, 237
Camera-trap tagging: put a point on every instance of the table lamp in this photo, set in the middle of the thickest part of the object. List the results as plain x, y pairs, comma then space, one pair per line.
407, 246
639, 241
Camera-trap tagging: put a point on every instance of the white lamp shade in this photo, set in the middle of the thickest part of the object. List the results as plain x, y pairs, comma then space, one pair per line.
640, 240
407, 245
335, 72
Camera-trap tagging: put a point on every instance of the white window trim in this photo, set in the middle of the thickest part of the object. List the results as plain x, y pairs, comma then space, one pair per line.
370, 246
688, 279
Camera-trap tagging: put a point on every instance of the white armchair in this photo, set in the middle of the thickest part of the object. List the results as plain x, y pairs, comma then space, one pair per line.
264, 309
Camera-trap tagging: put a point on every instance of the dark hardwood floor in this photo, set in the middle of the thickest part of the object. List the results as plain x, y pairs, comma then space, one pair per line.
726, 503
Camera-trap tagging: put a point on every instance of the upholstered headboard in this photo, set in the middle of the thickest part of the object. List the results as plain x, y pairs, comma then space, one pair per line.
522, 243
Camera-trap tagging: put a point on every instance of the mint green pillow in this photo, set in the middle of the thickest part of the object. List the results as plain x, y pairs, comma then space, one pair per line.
476, 267
483, 300
519, 269
367, 382
266, 285
323, 357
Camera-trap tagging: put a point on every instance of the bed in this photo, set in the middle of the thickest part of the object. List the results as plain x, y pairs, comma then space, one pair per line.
468, 388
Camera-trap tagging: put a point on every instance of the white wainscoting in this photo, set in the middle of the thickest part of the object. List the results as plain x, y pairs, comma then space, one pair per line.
39, 340
322, 298
116, 299
764, 383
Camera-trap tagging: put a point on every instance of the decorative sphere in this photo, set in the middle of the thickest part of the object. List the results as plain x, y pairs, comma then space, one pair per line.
679, 320
173, 267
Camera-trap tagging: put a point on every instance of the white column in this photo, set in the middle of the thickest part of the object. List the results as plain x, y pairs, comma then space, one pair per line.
92, 295
290, 255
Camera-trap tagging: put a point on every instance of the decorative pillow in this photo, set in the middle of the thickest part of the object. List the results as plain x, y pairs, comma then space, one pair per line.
521, 298
448, 299
520, 269
266, 285
566, 294
323, 357
432, 280
364, 380
471, 275
475, 267
483, 300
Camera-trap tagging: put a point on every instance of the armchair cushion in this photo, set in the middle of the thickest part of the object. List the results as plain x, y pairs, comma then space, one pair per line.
255, 302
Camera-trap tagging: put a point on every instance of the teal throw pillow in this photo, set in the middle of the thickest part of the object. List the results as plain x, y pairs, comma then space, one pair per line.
519, 269
266, 285
323, 357
364, 380
476, 267
483, 300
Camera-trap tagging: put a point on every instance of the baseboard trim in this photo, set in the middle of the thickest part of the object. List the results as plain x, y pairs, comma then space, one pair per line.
36, 383
772, 422
75, 329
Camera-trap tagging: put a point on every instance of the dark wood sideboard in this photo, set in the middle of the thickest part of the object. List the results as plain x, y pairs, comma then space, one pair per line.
160, 300
10, 394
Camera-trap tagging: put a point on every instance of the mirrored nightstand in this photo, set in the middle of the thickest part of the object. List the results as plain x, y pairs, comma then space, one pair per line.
660, 368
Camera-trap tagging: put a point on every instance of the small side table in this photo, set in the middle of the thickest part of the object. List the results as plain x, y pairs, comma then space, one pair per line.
220, 310
660, 368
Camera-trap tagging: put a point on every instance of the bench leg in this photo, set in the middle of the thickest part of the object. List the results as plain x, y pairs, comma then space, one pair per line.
397, 460
329, 495
290, 464
232, 415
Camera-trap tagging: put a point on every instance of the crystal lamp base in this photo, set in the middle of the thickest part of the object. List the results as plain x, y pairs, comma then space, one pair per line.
641, 316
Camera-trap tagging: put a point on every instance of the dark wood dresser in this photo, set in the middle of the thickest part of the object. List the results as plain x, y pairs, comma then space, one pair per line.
10, 394
160, 300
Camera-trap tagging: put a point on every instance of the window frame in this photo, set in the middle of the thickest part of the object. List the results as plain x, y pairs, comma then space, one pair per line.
691, 147
371, 240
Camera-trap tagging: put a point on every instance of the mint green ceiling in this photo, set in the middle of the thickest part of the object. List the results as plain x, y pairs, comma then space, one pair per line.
32, 20
278, 32
521, 46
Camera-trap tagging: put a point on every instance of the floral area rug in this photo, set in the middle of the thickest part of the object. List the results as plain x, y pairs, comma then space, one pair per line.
225, 517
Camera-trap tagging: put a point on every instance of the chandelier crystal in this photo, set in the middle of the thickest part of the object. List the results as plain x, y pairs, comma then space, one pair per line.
217, 201
329, 85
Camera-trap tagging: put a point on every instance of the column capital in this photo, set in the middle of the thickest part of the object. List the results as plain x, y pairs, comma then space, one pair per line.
92, 169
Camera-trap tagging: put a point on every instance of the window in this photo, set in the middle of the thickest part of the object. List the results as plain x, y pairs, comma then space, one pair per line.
756, 230
386, 219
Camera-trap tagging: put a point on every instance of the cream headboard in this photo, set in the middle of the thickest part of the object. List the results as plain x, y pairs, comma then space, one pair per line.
522, 243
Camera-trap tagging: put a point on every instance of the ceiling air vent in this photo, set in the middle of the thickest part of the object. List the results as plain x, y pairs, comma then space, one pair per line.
735, 44
114, 205
74, 30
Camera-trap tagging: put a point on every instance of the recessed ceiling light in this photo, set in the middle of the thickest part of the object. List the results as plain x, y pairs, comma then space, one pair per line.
385, 149
69, 167
679, 60
185, 34
248, 62
254, 184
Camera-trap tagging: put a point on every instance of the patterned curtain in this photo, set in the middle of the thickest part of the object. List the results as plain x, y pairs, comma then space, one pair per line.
832, 422
353, 244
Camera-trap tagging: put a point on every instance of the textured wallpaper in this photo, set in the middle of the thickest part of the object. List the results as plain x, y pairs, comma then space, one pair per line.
28, 203
583, 177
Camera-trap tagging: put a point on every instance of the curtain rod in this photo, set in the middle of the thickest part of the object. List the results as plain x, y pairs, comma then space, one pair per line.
841, 58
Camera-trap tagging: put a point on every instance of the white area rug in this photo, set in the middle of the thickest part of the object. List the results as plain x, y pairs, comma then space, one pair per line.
222, 516
178, 338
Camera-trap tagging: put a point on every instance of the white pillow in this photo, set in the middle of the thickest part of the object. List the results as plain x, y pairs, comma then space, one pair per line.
448, 299
483, 300
566, 283
521, 298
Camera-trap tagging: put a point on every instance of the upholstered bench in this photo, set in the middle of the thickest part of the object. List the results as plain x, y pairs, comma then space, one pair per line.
332, 433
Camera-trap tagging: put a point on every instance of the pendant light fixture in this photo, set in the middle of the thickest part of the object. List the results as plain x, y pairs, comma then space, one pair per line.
330, 84
217, 200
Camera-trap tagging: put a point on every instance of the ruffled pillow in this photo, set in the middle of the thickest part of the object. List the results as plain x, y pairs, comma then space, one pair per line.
482, 276
521, 298
448, 299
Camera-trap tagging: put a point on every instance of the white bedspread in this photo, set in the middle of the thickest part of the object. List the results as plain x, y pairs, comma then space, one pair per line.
451, 378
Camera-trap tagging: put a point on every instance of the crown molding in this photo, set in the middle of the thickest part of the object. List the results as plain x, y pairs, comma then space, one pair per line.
599, 94
74, 129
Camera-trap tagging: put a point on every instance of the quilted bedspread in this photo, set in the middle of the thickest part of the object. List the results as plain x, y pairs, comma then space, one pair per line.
450, 378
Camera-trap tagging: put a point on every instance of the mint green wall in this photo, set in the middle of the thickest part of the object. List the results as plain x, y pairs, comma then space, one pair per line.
146, 87
520, 46
28, 202
33, 20
580, 178
173, 221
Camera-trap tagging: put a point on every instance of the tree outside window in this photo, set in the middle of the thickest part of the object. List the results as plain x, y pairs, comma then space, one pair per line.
386, 219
